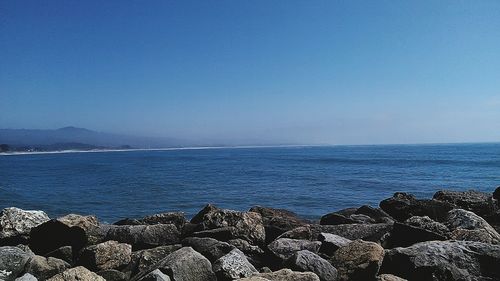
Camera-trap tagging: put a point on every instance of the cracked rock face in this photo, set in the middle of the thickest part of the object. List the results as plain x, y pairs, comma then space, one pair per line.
233, 265
358, 260
466, 225
107, 255
15, 221
12, 262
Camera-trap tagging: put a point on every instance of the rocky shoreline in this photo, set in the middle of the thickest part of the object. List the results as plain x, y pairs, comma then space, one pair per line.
453, 236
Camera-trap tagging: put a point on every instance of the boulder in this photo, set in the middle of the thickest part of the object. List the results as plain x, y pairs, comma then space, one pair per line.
301, 232
389, 277
12, 262
64, 253
335, 219
277, 221
308, 261
71, 230
113, 275
403, 235
27, 277
285, 275
156, 275
496, 195
331, 243
358, 260
106, 255
176, 218
368, 232
402, 206
44, 268
465, 225
128, 221
145, 236
79, 273
210, 248
144, 259
232, 266
428, 224
480, 203
16, 224
284, 248
444, 260
225, 225
376, 214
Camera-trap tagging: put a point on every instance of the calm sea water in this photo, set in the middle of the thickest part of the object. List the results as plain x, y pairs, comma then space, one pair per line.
311, 181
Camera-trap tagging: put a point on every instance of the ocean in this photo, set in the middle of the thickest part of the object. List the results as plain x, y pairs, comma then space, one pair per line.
310, 181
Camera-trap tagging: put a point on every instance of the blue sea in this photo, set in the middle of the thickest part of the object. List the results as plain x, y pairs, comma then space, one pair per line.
310, 181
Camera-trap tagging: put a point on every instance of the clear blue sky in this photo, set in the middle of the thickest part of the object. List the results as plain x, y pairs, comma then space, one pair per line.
338, 72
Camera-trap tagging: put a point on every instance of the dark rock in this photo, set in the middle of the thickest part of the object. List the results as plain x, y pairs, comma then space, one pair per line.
480, 203
358, 260
444, 260
368, 232
335, 219
284, 248
12, 262
64, 253
496, 195
277, 221
156, 275
44, 268
210, 248
113, 275
16, 224
283, 275
145, 236
377, 214
301, 232
128, 221
225, 225
466, 225
403, 235
79, 273
106, 255
403, 206
144, 259
389, 277
331, 243
308, 261
232, 266
176, 218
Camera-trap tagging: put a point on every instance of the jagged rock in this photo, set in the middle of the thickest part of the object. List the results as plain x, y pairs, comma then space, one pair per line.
466, 225
480, 203
284, 248
403, 235
232, 266
368, 232
358, 260
176, 218
145, 236
402, 206
64, 253
106, 255
377, 214
389, 277
225, 225
12, 262
308, 261
113, 275
254, 254
44, 268
428, 224
284, 275
335, 219
71, 230
25, 248
16, 224
79, 273
331, 242
277, 221
128, 221
301, 232
27, 277
210, 248
444, 260
144, 259
156, 275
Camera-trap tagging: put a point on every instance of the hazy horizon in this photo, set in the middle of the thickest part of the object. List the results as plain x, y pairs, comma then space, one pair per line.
325, 72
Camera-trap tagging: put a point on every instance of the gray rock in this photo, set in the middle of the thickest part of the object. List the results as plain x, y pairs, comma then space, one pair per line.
113, 275
176, 218
301, 232
27, 277
12, 262
428, 224
331, 242
444, 260
389, 277
277, 221
377, 214
401, 206
254, 254
466, 225
145, 236
232, 266
284, 275
144, 259
64, 253
212, 249
156, 275
284, 248
308, 261
17, 223
480, 203
106, 255
358, 260
368, 232
79, 273
44, 268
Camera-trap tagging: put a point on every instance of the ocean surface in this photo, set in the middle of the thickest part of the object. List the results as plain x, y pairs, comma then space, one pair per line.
310, 181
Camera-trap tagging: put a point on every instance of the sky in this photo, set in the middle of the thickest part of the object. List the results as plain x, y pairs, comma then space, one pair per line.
308, 72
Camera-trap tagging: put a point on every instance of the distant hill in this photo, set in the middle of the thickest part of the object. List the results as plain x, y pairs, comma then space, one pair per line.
78, 138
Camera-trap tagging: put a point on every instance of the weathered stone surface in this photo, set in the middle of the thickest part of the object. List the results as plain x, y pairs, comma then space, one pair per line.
403, 235
478, 202
44, 268
428, 224
210, 248
64, 253
285, 275
308, 261
145, 236
225, 225
254, 254
377, 214
79, 273
367, 232
284, 248
176, 218
106, 255
277, 221
232, 266
389, 277
466, 225
16, 224
358, 260
402, 206
144, 259
12, 262
113, 275
253, 278
444, 260
156, 275
27, 277
331, 242
301, 232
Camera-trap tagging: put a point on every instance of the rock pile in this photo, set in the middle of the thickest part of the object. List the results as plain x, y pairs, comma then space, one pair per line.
453, 236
